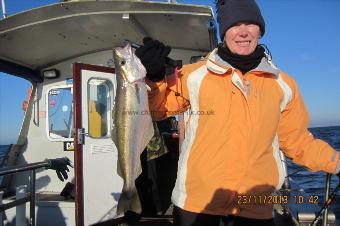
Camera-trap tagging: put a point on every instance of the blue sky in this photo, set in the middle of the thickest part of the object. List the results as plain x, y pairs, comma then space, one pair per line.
302, 35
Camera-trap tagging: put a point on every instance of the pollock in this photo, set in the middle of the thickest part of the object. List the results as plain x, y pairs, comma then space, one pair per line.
132, 128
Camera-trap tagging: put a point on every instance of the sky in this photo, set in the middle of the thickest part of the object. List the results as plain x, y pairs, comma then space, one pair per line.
302, 36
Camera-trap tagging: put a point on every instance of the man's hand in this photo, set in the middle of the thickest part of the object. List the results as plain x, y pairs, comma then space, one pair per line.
60, 166
153, 54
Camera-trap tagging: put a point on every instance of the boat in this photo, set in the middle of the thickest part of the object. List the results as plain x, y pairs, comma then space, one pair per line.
65, 51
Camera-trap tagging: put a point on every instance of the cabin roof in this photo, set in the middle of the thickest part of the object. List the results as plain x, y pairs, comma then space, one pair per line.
41, 37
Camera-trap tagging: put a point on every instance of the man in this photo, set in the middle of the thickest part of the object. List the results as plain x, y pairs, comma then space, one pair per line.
230, 164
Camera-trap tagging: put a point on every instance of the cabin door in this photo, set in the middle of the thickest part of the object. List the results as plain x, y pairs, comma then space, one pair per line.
97, 181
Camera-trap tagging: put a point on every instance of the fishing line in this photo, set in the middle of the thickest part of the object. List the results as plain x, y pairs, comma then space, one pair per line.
299, 170
295, 172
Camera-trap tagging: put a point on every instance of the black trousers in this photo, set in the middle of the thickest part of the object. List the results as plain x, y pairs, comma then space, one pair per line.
185, 218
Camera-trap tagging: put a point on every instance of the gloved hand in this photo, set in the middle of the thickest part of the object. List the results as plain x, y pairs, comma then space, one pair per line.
153, 54
60, 166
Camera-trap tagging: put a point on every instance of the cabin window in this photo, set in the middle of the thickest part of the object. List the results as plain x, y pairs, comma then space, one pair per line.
60, 113
99, 107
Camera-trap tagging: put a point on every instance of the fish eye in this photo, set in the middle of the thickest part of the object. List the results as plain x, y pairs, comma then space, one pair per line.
123, 62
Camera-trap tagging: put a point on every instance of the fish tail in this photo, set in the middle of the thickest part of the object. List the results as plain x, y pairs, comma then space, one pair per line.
129, 201
123, 204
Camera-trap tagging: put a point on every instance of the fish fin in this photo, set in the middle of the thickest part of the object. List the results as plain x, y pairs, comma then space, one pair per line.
148, 134
148, 87
139, 169
135, 204
119, 169
123, 204
113, 125
114, 137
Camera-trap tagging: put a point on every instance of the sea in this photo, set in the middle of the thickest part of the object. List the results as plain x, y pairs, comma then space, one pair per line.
314, 183
311, 183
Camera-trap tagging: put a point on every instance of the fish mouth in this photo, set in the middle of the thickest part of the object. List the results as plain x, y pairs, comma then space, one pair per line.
119, 52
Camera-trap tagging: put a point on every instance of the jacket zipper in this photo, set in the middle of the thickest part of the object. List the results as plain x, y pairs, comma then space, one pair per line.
245, 90
247, 83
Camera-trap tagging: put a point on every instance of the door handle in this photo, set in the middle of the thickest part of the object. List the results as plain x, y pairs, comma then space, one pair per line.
81, 136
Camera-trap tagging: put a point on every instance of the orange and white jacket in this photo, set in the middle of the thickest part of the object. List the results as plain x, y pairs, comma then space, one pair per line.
236, 125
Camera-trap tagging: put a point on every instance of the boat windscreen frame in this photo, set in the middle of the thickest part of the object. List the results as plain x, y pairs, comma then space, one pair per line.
20, 71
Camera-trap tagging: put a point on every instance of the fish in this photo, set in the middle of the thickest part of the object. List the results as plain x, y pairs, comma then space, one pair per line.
132, 123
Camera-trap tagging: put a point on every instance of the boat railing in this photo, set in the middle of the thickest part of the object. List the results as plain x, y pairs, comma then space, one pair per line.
22, 197
327, 190
4, 13
307, 218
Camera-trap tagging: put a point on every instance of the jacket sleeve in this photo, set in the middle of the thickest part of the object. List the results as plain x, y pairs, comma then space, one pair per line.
298, 143
163, 101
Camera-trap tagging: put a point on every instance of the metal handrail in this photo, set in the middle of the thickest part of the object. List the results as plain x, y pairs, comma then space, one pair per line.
4, 14
327, 189
31, 196
323, 214
15, 203
21, 168
329, 199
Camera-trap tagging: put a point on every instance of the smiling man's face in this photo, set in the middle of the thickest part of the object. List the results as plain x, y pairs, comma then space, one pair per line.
242, 38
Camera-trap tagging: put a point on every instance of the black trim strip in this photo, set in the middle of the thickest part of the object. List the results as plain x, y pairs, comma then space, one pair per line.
212, 34
20, 71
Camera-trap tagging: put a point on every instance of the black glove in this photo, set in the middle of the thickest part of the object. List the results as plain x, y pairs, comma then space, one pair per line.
60, 166
153, 54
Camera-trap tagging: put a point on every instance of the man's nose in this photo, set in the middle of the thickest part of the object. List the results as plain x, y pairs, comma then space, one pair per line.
243, 30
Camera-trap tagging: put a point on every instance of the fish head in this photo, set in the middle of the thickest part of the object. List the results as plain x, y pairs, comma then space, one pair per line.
128, 65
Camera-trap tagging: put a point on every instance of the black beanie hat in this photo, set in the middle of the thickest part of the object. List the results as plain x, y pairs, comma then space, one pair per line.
230, 12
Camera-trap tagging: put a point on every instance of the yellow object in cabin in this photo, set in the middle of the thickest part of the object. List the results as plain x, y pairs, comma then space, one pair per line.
95, 121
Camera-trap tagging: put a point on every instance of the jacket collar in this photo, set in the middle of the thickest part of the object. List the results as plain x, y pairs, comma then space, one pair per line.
219, 66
